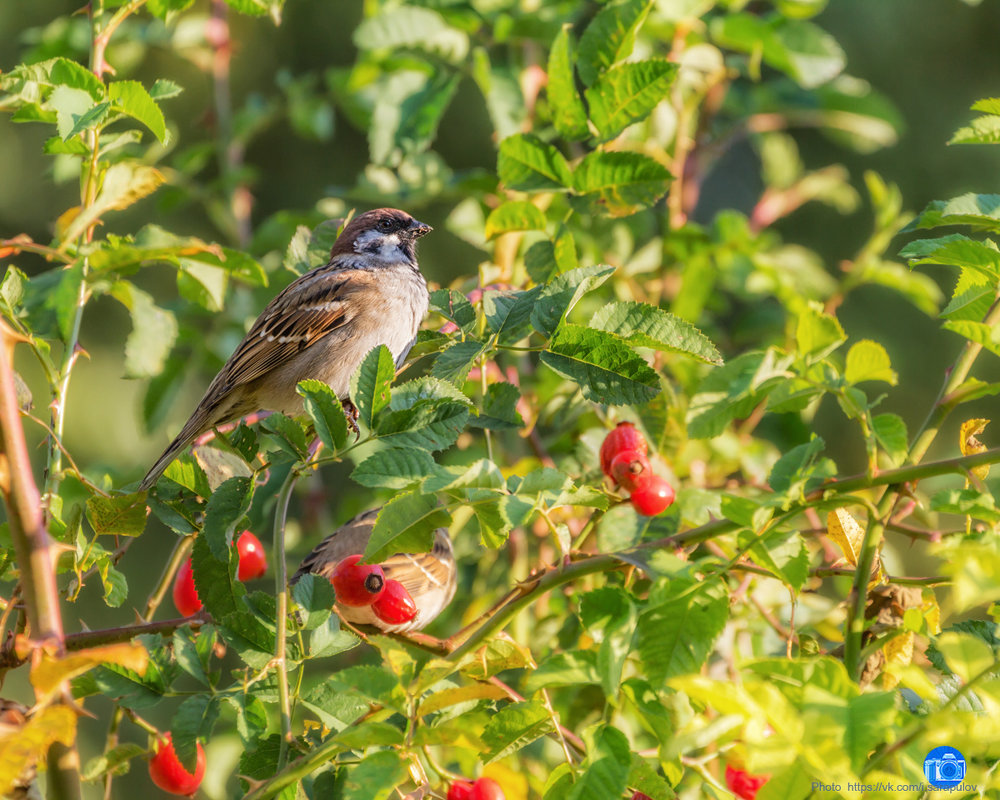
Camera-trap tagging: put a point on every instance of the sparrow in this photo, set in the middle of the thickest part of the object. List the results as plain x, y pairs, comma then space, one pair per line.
430, 577
320, 326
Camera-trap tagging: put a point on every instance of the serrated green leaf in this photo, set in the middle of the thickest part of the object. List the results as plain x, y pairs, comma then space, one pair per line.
978, 211
370, 391
604, 366
868, 361
817, 333
192, 720
644, 325
224, 512
408, 109
618, 183
783, 553
967, 502
375, 777
499, 408
732, 390
558, 297
326, 412
414, 28
572, 668
528, 164
675, 636
605, 770
481, 474
568, 113
406, 524
287, 434
315, 597
956, 250
154, 331
514, 215
513, 727
967, 655
508, 313
610, 37
978, 332
890, 431
394, 468
115, 761
627, 93
454, 362
69, 105
117, 515
131, 97
114, 583
123, 184
453, 306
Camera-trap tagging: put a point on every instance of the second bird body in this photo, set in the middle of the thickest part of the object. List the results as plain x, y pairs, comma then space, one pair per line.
369, 293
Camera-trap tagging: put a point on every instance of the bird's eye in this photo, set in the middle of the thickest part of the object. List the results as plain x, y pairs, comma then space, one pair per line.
385, 225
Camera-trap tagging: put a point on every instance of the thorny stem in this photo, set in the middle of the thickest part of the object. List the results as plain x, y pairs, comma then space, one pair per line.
281, 621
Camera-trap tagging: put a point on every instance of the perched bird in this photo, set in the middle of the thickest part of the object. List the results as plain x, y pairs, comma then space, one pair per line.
321, 326
430, 577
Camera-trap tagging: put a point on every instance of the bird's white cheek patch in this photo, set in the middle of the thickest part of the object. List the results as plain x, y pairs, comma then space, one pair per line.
385, 245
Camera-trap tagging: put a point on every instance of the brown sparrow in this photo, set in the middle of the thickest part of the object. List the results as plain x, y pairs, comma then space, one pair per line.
321, 326
430, 577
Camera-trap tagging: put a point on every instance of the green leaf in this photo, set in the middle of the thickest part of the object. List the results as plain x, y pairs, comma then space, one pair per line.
70, 106
131, 97
675, 635
408, 109
781, 552
978, 332
224, 513
568, 114
803, 51
64, 72
818, 333
115, 761
967, 656
123, 184
627, 93
426, 413
609, 616
114, 584
412, 28
499, 408
732, 391
514, 215
453, 306
118, 515
513, 727
376, 777
604, 366
481, 474
956, 250
154, 331
558, 297
528, 164
868, 361
287, 434
610, 37
978, 211
370, 384
967, 502
394, 468
315, 597
890, 431
644, 325
800, 470
508, 313
605, 770
406, 524
454, 362
94, 116
192, 720
573, 668
326, 412
619, 183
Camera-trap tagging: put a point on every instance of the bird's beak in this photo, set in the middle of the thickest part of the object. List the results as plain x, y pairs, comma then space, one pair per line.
418, 229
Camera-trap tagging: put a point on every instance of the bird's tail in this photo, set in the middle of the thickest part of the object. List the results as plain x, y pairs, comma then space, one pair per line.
176, 447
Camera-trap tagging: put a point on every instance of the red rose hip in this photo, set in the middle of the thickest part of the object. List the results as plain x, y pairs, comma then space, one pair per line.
654, 497
394, 606
253, 559
630, 469
743, 784
486, 789
460, 790
357, 584
623, 437
167, 772
185, 595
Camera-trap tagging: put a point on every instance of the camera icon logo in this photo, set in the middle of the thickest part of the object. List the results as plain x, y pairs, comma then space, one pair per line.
944, 767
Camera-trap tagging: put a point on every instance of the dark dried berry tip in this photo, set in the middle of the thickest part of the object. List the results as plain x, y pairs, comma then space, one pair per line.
374, 583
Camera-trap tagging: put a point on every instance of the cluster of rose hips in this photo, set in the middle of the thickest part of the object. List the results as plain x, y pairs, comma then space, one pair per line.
167, 772
481, 789
366, 585
253, 564
743, 784
623, 459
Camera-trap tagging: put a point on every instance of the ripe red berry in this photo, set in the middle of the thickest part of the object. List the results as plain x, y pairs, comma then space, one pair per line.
641, 796
623, 437
487, 789
253, 559
394, 606
743, 784
460, 790
169, 774
653, 498
357, 584
185, 595
630, 469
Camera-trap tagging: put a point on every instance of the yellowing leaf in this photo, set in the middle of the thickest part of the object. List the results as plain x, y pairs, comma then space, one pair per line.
848, 536
969, 444
51, 670
123, 185
21, 749
898, 653
931, 612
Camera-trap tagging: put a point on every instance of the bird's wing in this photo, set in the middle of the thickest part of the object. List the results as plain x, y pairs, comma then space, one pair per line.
309, 309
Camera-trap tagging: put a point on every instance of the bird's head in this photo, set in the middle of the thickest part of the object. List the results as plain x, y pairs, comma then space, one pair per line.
385, 235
